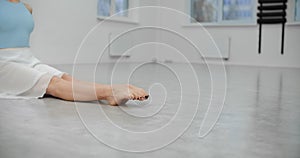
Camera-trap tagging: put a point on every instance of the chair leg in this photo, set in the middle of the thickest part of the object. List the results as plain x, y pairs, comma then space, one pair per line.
259, 39
282, 39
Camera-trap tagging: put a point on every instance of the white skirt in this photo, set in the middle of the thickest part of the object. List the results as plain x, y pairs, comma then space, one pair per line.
22, 75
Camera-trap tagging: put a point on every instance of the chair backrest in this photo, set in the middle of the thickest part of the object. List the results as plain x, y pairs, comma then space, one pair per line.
271, 11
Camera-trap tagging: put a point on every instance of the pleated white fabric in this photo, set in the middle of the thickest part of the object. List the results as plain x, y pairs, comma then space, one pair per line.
22, 75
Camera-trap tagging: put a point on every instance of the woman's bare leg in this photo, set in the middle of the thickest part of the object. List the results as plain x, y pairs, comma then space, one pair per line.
86, 91
67, 77
137, 93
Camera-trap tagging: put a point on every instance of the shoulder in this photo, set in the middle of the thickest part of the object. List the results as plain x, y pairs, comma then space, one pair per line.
28, 7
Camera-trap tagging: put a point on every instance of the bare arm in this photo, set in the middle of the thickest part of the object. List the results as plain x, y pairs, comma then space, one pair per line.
28, 7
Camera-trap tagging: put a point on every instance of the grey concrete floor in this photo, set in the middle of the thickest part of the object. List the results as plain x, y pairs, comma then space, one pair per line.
260, 117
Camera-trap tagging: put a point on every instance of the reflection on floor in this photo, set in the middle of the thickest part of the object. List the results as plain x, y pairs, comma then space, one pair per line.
260, 117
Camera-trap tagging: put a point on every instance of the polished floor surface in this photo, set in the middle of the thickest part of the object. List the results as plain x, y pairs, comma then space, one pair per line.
194, 111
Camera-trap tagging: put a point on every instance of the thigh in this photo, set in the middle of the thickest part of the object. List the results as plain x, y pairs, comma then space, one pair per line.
48, 69
17, 78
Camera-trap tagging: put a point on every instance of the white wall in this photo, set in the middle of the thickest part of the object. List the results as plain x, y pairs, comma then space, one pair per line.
61, 25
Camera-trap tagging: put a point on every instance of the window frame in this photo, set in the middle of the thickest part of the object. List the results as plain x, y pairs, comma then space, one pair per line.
220, 20
130, 18
295, 11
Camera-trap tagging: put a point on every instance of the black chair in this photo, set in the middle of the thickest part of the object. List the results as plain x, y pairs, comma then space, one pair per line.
271, 12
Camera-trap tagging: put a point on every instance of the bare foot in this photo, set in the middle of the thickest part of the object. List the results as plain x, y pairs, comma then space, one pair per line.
120, 94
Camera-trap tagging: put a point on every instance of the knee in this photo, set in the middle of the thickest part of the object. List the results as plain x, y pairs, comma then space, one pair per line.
60, 88
67, 77
53, 86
